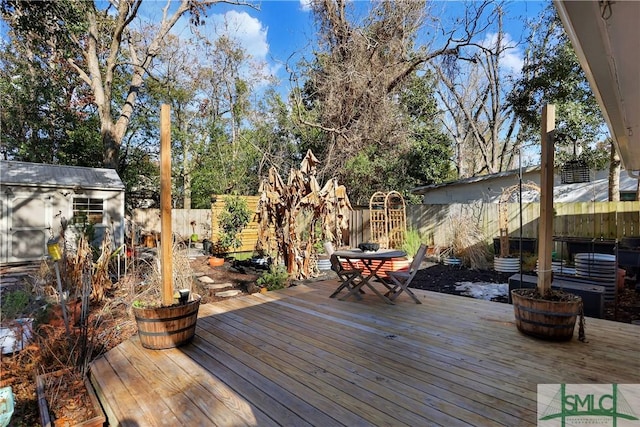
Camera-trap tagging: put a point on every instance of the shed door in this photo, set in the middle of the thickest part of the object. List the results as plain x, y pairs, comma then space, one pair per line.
28, 229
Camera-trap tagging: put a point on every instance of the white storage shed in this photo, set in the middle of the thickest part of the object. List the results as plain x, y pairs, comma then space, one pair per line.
36, 198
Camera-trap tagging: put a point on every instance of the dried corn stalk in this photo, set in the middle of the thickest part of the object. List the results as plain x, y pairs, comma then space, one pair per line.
288, 211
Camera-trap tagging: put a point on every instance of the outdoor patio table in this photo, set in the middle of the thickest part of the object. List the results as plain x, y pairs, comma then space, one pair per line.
371, 269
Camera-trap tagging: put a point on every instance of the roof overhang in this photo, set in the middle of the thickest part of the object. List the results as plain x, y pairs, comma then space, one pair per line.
606, 38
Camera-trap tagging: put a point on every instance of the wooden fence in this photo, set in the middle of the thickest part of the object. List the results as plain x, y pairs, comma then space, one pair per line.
608, 220
206, 222
249, 235
148, 221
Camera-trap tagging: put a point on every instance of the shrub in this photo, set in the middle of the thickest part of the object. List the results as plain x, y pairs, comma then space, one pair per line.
275, 278
412, 241
233, 219
14, 303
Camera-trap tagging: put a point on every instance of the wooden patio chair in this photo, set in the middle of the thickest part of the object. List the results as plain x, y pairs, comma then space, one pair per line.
348, 277
400, 280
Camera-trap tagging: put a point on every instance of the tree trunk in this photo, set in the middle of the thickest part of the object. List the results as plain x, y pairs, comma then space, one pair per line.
111, 146
186, 201
614, 175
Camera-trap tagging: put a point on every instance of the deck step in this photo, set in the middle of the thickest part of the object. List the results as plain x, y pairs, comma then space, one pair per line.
219, 286
229, 293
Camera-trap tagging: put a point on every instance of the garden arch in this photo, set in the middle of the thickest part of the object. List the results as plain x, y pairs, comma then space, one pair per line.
388, 219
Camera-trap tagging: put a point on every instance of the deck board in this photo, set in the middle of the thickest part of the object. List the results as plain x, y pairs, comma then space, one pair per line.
377, 356
296, 357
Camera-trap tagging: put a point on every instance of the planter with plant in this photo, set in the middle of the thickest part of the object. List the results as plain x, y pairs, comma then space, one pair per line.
166, 310
15, 330
166, 326
544, 312
194, 236
412, 241
467, 242
323, 259
320, 254
232, 220
83, 409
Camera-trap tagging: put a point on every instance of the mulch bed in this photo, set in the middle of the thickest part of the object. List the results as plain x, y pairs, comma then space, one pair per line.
443, 278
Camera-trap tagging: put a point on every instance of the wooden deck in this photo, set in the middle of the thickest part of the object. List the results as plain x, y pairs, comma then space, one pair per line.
296, 357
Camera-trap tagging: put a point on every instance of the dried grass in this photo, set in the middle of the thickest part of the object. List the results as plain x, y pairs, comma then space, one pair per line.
468, 240
146, 286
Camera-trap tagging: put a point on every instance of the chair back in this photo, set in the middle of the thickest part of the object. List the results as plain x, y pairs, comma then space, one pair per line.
417, 259
335, 263
328, 248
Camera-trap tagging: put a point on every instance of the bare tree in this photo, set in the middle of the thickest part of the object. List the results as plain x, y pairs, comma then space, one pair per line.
478, 117
351, 89
101, 47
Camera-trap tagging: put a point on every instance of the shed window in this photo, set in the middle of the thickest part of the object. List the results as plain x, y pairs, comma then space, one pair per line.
87, 210
628, 196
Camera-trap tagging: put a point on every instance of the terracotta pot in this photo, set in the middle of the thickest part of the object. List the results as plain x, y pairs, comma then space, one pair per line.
215, 262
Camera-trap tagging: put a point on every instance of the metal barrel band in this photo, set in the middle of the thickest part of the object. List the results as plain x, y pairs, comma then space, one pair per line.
167, 333
165, 319
547, 313
546, 325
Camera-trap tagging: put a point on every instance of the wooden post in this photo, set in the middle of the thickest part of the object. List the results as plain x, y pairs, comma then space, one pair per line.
545, 231
166, 237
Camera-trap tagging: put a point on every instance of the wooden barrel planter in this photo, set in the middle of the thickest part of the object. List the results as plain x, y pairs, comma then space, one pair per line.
167, 327
550, 320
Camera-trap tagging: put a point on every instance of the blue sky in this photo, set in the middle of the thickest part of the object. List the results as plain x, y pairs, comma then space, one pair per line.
282, 31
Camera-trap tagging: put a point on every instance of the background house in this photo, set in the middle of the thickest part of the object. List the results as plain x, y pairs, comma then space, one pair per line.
489, 188
36, 198
580, 210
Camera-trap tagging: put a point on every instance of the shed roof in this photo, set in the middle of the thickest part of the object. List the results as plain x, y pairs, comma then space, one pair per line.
597, 189
514, 172
41, 174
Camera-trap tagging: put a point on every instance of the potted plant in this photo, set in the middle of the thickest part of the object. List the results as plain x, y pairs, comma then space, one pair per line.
323, 259
194, 235
81, 408
276, 278
544, 312
166, 311
163, 325
15, 330
467, 245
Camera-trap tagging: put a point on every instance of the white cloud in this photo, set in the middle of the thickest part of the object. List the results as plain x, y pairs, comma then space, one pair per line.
251, 35
305, 5
511, 59
248, 31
